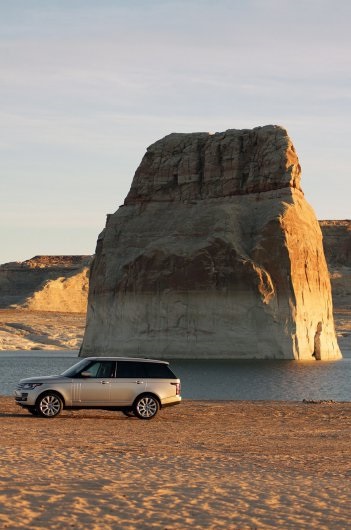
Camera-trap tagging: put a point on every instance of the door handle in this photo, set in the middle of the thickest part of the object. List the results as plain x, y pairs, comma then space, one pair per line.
105, 382
139, 382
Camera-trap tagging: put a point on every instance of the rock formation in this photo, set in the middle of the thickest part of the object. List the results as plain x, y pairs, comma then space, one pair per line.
68, 294
215, 254
46, 283
337, 248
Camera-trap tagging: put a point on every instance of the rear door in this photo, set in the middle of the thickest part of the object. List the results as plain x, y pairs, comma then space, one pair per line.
128, 384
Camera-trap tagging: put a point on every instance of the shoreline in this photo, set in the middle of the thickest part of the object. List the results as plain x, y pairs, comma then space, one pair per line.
279, 380
346, 354
203, 464
27, 330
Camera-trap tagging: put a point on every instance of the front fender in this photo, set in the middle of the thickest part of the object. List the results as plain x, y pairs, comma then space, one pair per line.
64, 391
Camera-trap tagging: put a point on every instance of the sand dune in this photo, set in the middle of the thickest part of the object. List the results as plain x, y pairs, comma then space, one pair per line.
213, 465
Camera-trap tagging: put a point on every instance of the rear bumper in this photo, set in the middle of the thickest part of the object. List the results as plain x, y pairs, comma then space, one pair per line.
169, 402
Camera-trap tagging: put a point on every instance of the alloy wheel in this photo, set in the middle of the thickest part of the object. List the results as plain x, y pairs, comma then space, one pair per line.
146, 407
50, 405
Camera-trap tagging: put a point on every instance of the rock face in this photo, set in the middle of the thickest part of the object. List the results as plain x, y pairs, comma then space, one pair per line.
215, 254
46, 283
337, 248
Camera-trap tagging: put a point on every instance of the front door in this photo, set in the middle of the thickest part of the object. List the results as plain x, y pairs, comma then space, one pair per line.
94, 390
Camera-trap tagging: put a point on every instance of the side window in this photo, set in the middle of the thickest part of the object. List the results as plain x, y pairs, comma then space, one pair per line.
127, 369
101, 369
159, 371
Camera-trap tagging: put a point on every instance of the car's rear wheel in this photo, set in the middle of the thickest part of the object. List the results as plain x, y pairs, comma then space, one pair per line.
49, 405
146, 407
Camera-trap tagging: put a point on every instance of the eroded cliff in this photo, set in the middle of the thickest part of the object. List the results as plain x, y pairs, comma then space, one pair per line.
215, 254
337, 248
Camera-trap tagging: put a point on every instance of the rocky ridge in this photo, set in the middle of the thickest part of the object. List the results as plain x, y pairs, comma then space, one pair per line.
43, 303
337, 247
46, 283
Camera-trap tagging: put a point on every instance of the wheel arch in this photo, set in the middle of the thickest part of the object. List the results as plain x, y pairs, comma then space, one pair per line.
56, 392
148, 394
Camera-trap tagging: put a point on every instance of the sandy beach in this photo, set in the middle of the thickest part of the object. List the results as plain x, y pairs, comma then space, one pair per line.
230, 465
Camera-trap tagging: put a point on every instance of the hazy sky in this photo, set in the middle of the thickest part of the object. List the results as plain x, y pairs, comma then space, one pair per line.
87, 85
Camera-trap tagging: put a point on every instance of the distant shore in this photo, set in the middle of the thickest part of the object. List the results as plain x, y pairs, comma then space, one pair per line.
200, 465
21, 329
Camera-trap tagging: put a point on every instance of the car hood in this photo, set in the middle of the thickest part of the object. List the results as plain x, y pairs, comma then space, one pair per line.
44, 379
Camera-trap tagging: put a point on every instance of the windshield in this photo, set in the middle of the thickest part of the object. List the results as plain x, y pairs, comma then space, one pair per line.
76, 368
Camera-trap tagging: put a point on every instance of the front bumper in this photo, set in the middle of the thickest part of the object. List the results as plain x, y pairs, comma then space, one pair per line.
20, 396
25, 397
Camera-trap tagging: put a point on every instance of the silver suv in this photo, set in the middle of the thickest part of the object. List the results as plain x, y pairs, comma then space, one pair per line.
133, 386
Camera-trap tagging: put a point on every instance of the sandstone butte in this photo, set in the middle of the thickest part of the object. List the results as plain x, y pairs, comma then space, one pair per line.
214, 254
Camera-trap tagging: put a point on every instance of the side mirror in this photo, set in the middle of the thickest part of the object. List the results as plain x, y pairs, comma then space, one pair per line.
85, 374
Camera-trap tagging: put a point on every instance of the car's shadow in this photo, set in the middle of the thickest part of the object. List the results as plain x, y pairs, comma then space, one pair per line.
66, 417
13, 415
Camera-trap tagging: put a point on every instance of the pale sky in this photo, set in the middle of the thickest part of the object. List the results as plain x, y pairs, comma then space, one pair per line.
87, 85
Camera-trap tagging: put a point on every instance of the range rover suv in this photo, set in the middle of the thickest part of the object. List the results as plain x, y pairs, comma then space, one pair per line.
133, 386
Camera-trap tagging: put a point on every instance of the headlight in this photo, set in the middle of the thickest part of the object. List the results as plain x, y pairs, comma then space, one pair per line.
29, 386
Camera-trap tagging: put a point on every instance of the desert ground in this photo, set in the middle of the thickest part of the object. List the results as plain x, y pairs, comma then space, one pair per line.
200, 465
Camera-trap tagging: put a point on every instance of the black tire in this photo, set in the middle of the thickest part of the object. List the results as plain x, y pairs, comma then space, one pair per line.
49, 405
146, 407
128, 413
33, 410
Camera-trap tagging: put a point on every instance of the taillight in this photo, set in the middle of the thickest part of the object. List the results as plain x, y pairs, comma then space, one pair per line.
177, 385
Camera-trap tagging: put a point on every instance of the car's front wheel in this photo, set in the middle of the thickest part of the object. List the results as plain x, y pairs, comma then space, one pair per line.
49, 405
146, 407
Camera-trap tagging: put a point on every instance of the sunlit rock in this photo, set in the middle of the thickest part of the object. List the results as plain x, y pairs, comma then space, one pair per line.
46, 283
215, 254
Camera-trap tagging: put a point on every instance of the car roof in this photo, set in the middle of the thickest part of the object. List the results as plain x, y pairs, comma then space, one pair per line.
133, 359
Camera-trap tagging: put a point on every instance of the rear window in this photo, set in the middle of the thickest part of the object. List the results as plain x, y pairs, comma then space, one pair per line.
144, 370
159, 371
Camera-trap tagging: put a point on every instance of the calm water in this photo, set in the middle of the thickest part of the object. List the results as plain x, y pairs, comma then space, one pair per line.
239, 380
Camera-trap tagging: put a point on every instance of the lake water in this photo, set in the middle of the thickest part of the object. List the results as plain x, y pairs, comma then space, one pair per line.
202, 379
